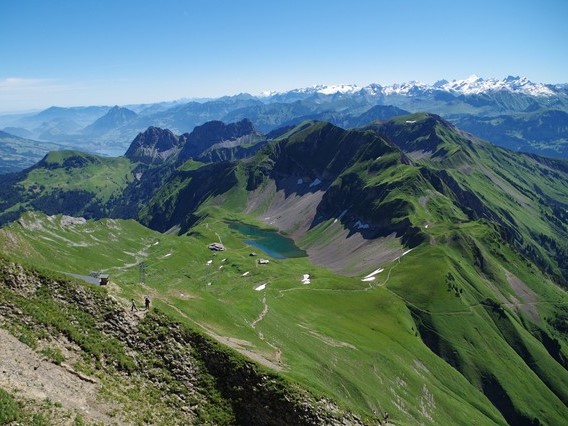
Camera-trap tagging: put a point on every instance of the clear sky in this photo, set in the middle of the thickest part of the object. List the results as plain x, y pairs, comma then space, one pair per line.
106, 52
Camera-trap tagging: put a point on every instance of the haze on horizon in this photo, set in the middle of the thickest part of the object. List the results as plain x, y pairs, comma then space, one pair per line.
70, 53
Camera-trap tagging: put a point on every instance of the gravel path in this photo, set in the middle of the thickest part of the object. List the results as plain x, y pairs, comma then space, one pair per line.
27, 374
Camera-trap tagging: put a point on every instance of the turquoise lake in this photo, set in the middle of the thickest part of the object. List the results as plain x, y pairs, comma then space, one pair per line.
270, 242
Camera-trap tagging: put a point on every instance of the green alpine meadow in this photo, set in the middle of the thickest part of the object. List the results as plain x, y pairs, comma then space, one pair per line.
400, 272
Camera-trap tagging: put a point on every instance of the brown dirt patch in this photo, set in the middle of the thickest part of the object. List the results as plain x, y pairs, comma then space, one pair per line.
526, 299
508, 188
27, 374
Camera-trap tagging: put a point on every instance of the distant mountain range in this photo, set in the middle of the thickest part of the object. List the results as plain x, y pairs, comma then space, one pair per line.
472, 85
115, 117
510, 112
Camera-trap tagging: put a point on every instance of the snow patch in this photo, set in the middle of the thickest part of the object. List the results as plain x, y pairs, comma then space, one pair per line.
338, 88
245, 274
300, 181
261, 287
340, 216
404, 253
209, 262
316, 182
71, 221
475, 85
369, 279
375, 272
361, 225
409, 89
306, 279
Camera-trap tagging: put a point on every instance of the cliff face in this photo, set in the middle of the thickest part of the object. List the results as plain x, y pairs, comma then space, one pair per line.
154, 145
217, 134
180, 375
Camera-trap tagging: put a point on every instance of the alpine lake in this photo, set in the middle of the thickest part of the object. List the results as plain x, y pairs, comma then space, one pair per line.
270, 242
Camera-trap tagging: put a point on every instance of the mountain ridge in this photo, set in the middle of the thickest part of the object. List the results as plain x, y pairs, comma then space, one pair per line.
469, 86
425, 245
153, 145
114, 117
480, 105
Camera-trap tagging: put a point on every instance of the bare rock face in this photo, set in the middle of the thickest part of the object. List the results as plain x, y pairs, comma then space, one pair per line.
154, 145
19, 280
212, 133
70, 221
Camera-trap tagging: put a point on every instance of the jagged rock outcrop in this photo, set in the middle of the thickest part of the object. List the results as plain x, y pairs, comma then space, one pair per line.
155, 145
211, 142
217, 135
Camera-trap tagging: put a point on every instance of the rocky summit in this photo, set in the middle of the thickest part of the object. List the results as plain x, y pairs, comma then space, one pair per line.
154, 145
212, 133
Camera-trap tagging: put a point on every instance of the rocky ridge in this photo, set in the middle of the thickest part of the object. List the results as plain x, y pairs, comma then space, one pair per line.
216, 134
154, 145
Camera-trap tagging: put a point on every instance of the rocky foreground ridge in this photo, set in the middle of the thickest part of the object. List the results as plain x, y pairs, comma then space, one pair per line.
138, 368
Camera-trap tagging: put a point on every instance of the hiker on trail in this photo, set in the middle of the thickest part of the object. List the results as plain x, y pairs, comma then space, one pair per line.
133, 306
147, 302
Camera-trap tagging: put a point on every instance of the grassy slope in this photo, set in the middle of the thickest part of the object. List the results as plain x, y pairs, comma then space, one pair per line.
69, 181
525, 196
437, 328
72, 170
148, 368
13, 410
478, 322
507, 323
365, 353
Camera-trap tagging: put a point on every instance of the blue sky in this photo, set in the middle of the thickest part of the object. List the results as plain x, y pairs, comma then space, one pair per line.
106, 52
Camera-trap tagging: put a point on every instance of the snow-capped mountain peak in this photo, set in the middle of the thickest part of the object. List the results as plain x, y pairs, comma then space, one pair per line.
410, 88
472, 85
476, 85
329, 89
338, 88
